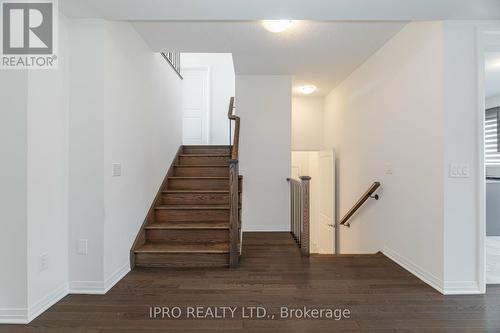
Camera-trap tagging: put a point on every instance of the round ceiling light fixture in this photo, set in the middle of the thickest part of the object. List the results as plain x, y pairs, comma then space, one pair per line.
277, 25
307, 89
496, 64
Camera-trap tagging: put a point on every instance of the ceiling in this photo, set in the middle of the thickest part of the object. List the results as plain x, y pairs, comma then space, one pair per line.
492, 77
318, 53
360, 10
330, 39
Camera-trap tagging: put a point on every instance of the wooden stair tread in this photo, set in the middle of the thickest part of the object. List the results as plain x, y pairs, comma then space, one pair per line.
207, 146
192, 207
205, 155
196, 177
201, 166
188, 225
184, 248
195, 191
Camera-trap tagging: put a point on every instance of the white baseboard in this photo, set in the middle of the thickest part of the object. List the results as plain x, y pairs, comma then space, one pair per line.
415, 269
462, 288
266, 228
116, 277
13, 315
99, 287
46, 302
26, 315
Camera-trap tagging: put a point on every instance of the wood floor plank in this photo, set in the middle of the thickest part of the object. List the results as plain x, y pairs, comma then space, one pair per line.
382, 297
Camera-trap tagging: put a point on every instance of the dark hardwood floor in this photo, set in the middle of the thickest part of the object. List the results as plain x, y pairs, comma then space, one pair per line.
381, 296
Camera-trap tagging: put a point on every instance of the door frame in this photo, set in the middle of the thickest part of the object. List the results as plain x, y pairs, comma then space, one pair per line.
484, 45
336, 228
208, 106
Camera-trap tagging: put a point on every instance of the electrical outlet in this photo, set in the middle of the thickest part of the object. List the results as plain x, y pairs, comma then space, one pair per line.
44, 262
82, 247
459, 170
117, 170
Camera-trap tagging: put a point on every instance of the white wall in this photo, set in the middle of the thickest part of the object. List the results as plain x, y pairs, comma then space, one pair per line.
307, 123
125, 108
142, 131
36, 114
111, 100
460, 145
387, 116
86, 152
492, 102
463, 116
13, 194
221, 72
264, 105
47, 180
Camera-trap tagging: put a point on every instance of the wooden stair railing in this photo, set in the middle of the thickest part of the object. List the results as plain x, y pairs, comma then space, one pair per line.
367, 195
300, 212
235, 234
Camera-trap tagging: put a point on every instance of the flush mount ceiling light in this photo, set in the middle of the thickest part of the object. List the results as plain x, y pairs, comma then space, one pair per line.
277, 25
308, 89
496, 64
493, 63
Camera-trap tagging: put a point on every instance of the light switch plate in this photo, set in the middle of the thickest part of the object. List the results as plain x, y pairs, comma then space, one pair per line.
82, 247
44, 262
117, 170
459, 170
388, 169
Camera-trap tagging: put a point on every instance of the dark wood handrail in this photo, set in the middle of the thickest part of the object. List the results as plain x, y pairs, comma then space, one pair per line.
234, 190
367, 195
236, 139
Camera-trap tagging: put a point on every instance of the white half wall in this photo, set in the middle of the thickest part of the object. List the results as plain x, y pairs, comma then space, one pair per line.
221, 72
385, 124
264, 105
307, 123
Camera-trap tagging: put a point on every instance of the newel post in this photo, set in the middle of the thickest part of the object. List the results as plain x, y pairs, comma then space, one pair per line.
234, 253
305, 214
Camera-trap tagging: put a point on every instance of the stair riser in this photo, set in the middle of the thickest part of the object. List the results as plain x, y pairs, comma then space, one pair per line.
195, 199
177, 260
165, 215
198, 184
191, 236
193, 171
203, 160
201, 150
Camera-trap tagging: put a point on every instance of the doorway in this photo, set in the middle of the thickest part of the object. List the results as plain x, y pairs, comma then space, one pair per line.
320, 166
195, 106
492, 164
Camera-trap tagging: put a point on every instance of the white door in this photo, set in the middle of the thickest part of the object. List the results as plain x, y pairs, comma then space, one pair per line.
195, 106
326, 202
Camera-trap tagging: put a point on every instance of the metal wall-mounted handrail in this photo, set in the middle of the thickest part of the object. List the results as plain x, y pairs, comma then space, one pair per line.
367, 195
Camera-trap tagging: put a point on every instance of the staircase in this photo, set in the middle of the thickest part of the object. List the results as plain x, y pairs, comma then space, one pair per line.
189, 222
